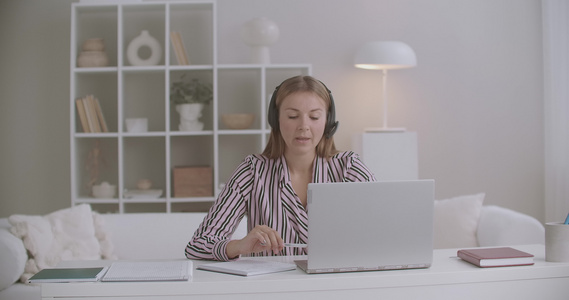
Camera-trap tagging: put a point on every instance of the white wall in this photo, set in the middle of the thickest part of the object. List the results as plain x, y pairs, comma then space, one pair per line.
475, 98
34, 101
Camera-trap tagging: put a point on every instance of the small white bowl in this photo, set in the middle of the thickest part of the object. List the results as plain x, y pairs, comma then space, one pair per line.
237, 121
104, 190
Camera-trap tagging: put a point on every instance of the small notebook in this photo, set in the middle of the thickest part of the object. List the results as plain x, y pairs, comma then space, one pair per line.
248, 267
496, 257
68, 275
149, 271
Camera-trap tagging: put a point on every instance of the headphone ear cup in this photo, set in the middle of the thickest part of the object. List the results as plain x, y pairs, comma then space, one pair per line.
331, 123
332, 129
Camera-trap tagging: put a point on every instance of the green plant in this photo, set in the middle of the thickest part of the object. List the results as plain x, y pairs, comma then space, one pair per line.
190, 91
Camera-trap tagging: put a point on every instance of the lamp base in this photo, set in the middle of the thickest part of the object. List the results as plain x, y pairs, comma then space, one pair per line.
385, 129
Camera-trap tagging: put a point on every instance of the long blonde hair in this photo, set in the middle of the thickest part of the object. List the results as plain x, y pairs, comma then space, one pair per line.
276, 145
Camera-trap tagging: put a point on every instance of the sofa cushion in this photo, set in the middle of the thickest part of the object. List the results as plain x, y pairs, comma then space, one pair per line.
456, 221
67, 234
500, 226
13, 256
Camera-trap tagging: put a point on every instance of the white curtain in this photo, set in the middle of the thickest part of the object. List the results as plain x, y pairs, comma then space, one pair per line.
555, 15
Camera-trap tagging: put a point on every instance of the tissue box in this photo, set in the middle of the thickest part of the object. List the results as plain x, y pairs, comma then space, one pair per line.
193, 182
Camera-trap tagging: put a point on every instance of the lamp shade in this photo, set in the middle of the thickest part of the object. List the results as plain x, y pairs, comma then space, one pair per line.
384, 55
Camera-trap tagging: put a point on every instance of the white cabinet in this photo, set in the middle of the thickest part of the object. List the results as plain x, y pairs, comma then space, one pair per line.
126, 91
389, 155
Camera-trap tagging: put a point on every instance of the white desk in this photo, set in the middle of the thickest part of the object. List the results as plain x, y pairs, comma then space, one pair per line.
448, 278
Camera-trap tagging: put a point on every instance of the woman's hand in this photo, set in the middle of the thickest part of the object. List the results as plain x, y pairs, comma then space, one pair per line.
261, 238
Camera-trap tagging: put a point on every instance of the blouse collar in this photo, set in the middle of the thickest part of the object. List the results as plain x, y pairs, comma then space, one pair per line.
319, 173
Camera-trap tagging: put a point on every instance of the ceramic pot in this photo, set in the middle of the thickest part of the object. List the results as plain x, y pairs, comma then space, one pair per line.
95, 44
104, 190
92, 59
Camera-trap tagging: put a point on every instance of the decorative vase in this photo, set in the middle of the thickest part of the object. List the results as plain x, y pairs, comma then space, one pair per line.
93, 44
144, 40
190, 114
259, 34
93, 54
88, 59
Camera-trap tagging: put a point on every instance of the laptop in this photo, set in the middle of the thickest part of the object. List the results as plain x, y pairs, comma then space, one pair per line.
369, 226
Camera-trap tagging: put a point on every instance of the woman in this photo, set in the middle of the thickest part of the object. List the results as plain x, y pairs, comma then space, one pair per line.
271, 188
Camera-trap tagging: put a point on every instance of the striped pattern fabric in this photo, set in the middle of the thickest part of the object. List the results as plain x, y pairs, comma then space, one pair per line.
261, 189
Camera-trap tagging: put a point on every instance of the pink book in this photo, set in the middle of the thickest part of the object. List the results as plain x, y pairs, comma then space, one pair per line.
496, 257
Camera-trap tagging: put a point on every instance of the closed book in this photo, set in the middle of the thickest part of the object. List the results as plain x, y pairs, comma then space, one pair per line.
93, 114
68, 275
496, 257
100, 116
82, 115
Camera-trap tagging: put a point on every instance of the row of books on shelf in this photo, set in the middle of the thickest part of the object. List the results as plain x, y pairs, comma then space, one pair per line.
91, 114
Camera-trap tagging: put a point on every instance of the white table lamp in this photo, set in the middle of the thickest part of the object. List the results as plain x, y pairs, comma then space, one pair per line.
385, 55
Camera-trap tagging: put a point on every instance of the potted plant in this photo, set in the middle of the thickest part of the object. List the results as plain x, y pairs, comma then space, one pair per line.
190, 96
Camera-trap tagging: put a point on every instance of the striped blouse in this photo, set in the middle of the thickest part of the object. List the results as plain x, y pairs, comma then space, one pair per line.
261, 189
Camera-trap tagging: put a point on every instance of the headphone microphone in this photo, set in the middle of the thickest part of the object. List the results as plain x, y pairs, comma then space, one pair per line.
331, 123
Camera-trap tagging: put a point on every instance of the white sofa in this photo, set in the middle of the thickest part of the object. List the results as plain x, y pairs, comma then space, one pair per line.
164, 236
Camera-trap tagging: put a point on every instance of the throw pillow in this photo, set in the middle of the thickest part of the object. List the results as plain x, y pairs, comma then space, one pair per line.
12, 257
67, 234
456, 221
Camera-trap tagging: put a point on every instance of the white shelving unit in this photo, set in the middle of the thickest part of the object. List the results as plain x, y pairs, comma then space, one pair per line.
127, 91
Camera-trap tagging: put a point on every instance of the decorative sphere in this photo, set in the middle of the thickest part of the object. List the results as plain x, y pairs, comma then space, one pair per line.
259, 32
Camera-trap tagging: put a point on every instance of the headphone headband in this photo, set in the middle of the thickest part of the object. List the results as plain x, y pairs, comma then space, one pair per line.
331, 123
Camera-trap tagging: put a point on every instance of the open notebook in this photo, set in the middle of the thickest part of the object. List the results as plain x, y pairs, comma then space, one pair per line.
248, 267
180, 270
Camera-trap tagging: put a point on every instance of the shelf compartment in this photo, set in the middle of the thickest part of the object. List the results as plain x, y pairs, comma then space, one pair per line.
96, 22
239, 91
143, 158
194, 22
96, 162
102, 86
140, 17
192, 151
204, 76
144, 97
